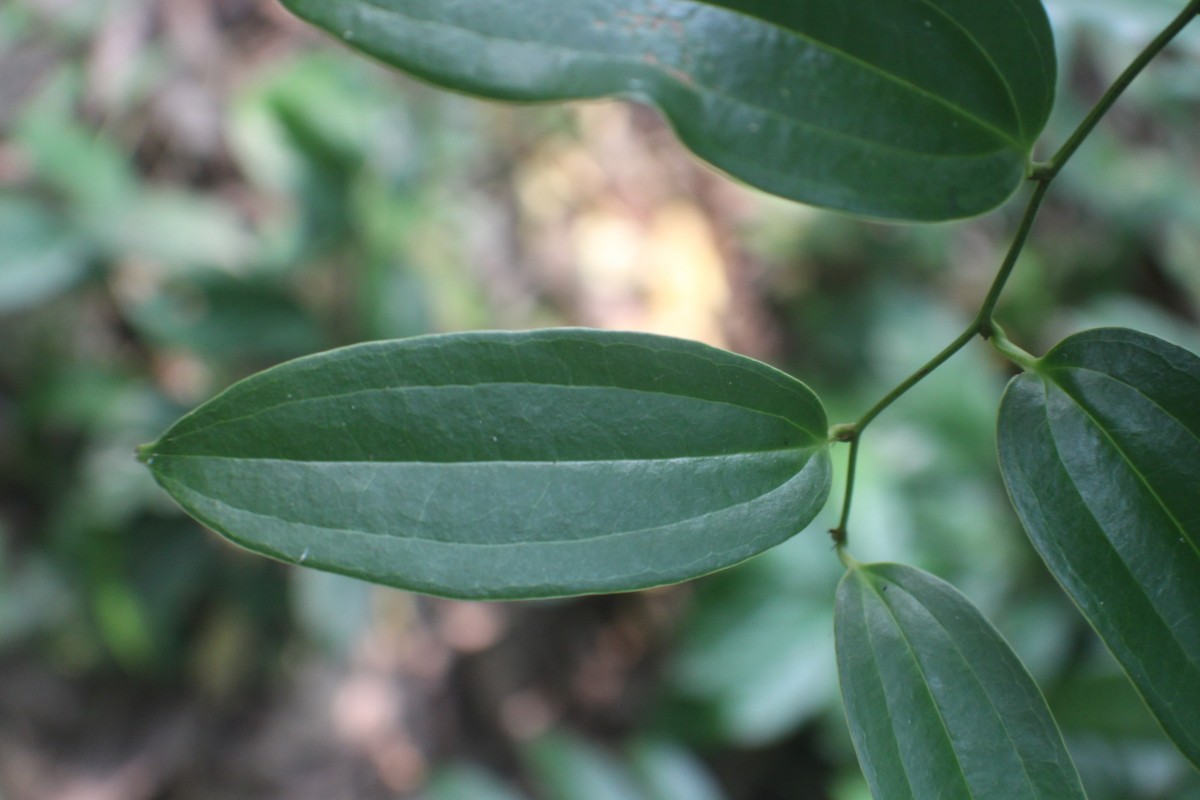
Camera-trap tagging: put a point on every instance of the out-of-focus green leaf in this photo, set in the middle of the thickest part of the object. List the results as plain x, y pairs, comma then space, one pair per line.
1148, 770
938, 704
332, 609
891, 109
461, 782
323, 109
220, 316
668, 772
39, 256
1122, 715
145, 582
1100, 448
568, 768
83, 166
175, 229
318, 129
754, 659
504, 465
34, 596
1134, 20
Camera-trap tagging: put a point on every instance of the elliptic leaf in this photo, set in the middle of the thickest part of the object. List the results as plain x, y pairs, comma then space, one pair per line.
938, 704
912, 109
1100, 448
502, 465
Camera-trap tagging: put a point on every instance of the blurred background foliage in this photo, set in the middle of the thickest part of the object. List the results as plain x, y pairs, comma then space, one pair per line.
192, 190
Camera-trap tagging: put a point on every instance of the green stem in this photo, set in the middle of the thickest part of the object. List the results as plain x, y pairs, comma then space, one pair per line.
983, 325
1010, 351
1051, 168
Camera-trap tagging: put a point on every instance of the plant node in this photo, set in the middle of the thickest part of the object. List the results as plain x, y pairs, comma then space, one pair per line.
843, 432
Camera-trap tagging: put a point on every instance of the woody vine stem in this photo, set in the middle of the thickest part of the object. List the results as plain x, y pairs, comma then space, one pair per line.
1042, 174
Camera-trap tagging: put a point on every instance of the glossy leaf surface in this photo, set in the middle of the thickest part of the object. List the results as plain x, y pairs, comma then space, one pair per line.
890, 108
1100, 449
938, 704
506, 464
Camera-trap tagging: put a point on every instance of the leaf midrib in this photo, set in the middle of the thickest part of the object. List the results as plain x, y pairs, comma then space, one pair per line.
808, 450
924, 681
1049, 370
1029, 782
1143, 590
336, 396
1116, 446
1066, 563
983, 51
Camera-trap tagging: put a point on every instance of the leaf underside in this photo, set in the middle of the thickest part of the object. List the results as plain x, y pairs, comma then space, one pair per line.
888, 108
938, 704
1100, 449
506, 465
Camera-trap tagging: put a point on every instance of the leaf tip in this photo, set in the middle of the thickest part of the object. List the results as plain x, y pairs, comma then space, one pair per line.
145, 453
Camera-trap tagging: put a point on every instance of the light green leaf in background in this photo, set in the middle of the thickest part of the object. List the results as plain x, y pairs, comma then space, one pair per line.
849, 104
333, 611
569, 768
1100, 449
938, 704
506, 465
461, 782
181, 232
670, 772
40, 257
220, 316
753, 659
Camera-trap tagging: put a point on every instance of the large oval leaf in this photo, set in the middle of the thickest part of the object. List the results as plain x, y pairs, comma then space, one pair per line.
1100, 449
506, 464
905, 109
938, 704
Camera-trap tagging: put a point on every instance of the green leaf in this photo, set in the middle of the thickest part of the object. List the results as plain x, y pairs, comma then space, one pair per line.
890, 108
669, 772
39, 256
569, 768
227, 317
464, 782
1100, 449
752, 660
506, 465
938, 704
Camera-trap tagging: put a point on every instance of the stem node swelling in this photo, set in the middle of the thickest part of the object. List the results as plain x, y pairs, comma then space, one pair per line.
845, 432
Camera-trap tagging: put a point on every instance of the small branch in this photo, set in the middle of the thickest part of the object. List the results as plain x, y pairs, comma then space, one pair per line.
983, 320
839, 533
1042, 173
980, 326
1004, 347
1106, 101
